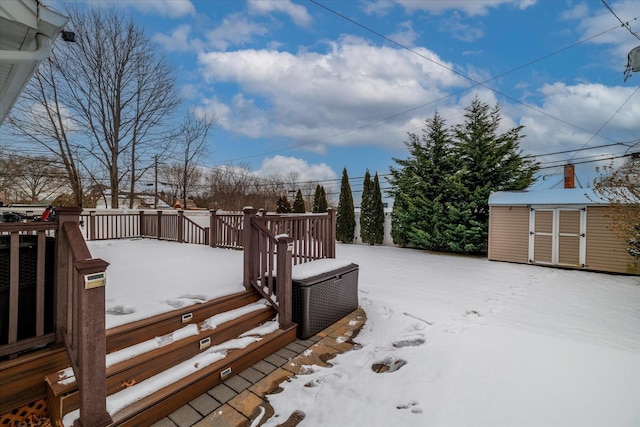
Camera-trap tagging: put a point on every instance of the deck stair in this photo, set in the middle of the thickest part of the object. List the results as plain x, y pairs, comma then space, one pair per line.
175, 357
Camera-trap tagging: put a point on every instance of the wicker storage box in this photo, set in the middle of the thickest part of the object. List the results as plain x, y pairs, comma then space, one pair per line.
323, 299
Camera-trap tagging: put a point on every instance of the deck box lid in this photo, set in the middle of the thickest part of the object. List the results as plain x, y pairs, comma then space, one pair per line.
321, 269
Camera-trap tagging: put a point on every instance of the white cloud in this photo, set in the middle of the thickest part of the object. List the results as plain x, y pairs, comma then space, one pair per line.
460, 30
297, 13
469, 7
284, 166
586, 106
170, 8
235, 30
311, 95
178, 40
620, 40
405, 35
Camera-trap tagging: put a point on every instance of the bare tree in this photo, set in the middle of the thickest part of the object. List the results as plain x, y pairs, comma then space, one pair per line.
37, 178
621, 187
40, 117
122, 93
190, 146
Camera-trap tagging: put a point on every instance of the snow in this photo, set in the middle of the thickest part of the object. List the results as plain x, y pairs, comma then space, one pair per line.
307, 270
470, 342
149, 277
563, 196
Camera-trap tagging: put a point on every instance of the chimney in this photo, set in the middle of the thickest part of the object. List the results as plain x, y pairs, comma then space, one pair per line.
569, 175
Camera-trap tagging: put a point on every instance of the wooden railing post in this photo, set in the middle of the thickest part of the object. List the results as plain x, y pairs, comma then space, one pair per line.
80, 317
92, 225
141, 226
159, 227
62, 269
213, 227
180, 226
331, 234
92, 348
283, 279
250, 247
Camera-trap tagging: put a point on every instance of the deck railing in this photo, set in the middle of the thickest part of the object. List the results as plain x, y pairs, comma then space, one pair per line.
56, 294
272, 243
26, 286
161, 225
80, 316
226, 229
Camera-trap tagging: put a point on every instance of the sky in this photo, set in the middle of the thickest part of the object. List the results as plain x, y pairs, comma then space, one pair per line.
315, 86
475, 342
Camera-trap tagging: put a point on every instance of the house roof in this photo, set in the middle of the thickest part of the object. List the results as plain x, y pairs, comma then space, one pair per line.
565, 196
27, 32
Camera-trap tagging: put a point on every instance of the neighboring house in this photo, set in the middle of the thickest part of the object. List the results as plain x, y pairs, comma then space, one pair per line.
27, 32
563, 227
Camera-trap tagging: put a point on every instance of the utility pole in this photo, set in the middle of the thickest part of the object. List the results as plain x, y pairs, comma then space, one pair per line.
155, 185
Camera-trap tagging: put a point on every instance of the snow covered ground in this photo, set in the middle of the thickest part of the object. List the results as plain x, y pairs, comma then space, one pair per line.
471, 342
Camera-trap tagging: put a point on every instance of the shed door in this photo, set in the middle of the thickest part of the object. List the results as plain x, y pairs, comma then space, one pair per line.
557, 236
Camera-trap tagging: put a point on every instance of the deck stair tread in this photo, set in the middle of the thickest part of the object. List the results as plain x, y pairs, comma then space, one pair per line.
177, 343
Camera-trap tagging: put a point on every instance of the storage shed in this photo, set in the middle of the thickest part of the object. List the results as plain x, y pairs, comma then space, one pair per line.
568, 227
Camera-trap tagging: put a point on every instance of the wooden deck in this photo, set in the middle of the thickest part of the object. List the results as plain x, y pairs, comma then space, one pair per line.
79, 339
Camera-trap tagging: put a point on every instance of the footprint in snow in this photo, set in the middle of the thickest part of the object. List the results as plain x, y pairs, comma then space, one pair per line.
389, 364
386, 312
412, 406
120, 310
322, 380
414, 341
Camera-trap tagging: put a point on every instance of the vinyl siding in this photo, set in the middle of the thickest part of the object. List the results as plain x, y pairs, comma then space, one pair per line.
605, 251
509, 233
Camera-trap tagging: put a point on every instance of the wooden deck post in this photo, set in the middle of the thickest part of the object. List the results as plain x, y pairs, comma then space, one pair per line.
213, 227
180, 226
80, 317
250, 246
63, 269
92, 348
283, 279
159, 226
331, 234
92, 225
141, 226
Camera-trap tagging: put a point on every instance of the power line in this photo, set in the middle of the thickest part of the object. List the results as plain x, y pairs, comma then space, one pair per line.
624, 24
392, 116
476, 82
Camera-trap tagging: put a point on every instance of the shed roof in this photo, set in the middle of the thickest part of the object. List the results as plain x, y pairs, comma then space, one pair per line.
563, 196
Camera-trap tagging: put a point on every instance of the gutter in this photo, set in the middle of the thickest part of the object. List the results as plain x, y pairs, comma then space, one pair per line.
42, 52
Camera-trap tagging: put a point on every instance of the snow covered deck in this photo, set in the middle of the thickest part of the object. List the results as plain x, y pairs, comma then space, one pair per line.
149, 277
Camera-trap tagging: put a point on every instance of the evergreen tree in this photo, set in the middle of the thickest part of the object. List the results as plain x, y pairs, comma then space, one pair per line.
487, 162
366, 210
298, 203
377, 214
283, 205
345, 215
320, 203
420, 188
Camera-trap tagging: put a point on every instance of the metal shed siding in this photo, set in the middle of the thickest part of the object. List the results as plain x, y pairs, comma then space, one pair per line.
605, 251
508, 233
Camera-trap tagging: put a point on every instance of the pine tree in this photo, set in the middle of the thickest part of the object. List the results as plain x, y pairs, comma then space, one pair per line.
366, 210
320, 203
298, 203
487, 162
377, 213
345, 215
283, 205
420, 188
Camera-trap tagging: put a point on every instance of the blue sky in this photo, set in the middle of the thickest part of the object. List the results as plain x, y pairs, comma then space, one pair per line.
312, 87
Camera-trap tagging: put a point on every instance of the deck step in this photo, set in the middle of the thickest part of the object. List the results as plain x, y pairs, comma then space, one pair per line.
150, 359
132, 333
